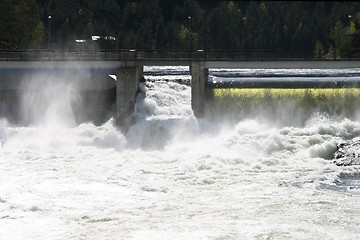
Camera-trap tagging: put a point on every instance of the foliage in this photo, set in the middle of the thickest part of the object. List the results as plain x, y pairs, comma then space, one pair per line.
318, 50
20, 23
164, 25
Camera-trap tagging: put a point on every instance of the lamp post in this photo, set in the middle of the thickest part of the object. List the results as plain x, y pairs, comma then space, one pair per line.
350, 40
49, 17
350, 16
189, 17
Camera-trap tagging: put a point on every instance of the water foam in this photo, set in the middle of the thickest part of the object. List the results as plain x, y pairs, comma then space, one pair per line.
175, 176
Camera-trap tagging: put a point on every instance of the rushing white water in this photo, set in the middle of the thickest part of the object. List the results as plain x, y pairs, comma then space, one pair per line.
177, 177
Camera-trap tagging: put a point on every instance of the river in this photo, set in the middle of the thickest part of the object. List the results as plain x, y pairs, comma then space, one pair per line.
249, 169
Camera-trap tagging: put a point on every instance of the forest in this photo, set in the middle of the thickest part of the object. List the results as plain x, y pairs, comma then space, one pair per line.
321, 27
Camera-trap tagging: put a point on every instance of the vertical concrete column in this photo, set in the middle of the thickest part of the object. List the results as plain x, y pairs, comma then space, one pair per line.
198, 80
126, 90
139, 74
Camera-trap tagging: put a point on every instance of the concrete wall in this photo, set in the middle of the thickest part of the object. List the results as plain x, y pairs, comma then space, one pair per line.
108, 67
33, 75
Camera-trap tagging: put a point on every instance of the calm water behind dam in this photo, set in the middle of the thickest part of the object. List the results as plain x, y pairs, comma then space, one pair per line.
258, 166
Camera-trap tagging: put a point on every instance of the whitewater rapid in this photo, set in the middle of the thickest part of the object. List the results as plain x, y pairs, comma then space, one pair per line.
177, 177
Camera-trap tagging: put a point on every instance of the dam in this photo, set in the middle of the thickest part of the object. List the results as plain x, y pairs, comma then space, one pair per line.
94, 69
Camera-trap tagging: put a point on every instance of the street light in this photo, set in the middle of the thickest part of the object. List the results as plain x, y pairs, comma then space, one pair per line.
189, 17
350, 40
350, 16
49, 17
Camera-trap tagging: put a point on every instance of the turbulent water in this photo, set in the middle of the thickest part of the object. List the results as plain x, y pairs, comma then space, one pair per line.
235, 174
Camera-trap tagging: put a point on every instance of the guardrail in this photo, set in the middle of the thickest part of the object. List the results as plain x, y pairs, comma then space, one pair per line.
210, 55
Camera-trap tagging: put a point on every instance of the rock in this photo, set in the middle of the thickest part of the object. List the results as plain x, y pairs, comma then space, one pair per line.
347, 153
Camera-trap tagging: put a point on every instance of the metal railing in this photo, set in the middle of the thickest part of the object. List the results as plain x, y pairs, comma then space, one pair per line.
210, 55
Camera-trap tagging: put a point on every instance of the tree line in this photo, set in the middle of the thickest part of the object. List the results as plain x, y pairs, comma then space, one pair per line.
321, 27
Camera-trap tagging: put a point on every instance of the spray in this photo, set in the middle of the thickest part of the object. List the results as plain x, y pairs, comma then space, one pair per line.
2, 137
61, 94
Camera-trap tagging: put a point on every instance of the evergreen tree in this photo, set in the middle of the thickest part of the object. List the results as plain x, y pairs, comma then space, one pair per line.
19, 23
164, 25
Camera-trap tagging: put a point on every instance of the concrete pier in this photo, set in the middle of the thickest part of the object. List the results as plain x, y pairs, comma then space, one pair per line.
198, 81
128, 78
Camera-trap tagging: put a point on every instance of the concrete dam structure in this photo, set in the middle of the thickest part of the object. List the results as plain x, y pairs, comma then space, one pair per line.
129, 73
94, 75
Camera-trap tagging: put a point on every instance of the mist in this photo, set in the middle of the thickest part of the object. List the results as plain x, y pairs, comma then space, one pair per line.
61, 96
48, 100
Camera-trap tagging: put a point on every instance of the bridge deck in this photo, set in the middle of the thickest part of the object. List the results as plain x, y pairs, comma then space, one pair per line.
178, 56
111, 66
